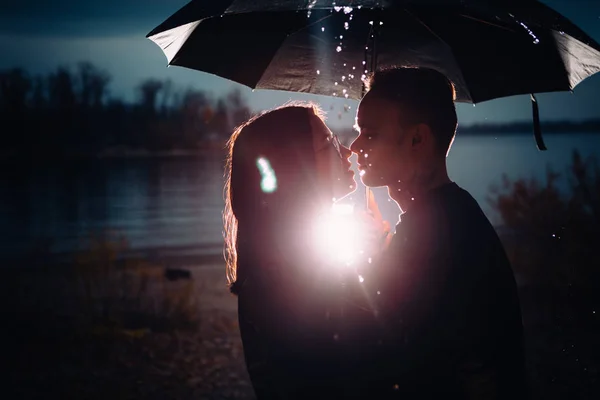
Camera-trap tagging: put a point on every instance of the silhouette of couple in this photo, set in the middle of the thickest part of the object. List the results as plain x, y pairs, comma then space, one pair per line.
434, 315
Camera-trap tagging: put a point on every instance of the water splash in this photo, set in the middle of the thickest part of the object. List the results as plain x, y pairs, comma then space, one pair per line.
535, 38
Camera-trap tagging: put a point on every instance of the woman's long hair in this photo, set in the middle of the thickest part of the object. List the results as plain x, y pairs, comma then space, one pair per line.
252, 215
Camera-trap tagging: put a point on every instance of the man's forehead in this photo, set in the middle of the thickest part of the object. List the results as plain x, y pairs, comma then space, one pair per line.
373, 111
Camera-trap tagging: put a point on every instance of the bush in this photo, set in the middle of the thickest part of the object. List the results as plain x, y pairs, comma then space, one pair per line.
552, 242
556, 231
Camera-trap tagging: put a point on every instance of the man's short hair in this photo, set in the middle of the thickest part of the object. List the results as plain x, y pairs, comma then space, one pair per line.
425, 96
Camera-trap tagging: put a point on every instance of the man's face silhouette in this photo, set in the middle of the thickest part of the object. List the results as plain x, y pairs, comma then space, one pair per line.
385, 147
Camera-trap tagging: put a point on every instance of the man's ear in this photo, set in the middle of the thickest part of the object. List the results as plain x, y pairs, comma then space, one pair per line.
421, 135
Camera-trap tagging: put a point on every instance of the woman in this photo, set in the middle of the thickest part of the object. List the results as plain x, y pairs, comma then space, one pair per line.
284, 168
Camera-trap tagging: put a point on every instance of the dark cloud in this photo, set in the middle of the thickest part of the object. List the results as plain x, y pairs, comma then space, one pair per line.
83, 18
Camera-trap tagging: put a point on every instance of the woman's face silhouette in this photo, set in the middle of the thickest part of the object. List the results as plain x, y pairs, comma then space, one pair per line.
334, 170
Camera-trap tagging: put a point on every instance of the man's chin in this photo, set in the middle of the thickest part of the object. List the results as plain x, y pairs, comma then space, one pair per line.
370, 181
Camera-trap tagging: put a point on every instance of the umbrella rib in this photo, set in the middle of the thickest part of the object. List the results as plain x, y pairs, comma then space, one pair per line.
287, 36
419, 20
309, 25
487, 22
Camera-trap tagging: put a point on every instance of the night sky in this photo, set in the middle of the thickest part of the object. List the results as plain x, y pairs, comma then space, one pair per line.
41, 35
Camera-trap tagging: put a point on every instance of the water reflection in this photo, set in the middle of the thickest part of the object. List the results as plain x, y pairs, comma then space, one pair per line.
153, 202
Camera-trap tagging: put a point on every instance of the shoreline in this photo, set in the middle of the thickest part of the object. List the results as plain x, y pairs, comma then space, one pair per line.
219, 148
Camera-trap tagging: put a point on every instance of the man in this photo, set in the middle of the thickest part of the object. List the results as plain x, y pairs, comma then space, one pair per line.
449, 299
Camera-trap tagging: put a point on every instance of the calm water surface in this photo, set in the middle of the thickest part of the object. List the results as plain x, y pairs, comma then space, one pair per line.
176, 203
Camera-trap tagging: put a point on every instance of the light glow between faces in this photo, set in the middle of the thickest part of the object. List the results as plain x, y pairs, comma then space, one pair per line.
339, 236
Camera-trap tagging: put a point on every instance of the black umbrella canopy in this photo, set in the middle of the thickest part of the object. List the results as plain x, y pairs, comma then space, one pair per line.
489, 49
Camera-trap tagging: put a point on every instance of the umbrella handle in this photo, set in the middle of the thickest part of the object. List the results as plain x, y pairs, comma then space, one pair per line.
537, 128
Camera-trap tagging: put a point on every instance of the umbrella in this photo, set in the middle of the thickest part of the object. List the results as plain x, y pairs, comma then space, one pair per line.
489, 49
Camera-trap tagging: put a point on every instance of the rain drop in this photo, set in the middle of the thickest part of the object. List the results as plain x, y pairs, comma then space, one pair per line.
344, 78
380, 23
341, 37
344, 91
335, 83
347, 10
369, 260
344, 64
378, 292
361, 279
346, 25
322, 29
353, 67
346, 95
366, 155
370, 22
318, 72
338, 49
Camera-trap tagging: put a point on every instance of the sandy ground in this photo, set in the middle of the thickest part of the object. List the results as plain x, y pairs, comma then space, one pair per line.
46, 358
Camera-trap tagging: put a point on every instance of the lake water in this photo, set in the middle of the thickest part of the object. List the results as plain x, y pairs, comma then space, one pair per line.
176, 203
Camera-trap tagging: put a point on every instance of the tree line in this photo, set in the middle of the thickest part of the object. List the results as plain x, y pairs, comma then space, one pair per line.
71, 110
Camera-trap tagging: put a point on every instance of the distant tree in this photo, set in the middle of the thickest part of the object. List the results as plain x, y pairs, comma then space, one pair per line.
194, 107
69, 109
238, 109
148, 93
15, 85
167, 94
220, 123
559, 231
39, 95
61, 89
93, 85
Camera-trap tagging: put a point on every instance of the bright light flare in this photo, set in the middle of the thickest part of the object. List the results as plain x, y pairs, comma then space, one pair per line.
268, 182
339, 235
